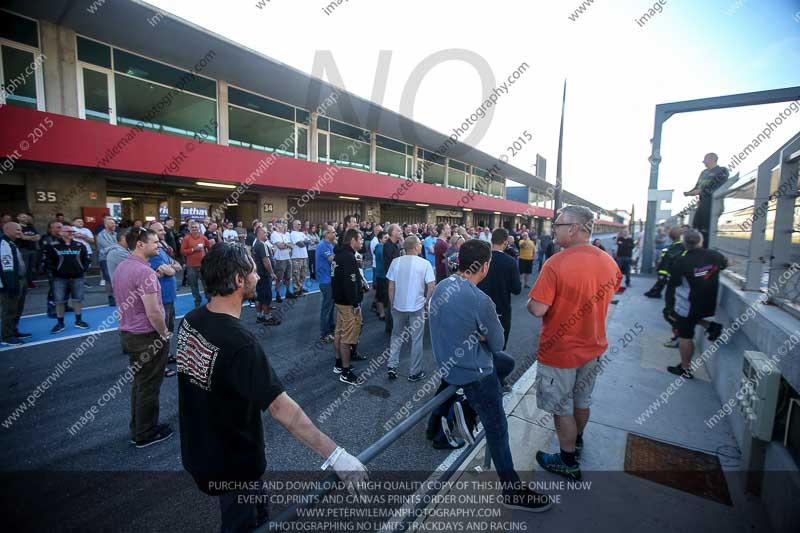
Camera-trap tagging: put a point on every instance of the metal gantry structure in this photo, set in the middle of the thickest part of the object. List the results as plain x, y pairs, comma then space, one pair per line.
665, 111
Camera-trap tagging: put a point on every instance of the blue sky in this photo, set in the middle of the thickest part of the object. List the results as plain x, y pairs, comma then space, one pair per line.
617, 72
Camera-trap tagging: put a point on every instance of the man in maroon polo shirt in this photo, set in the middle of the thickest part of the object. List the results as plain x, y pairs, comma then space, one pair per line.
145, 337
440, 249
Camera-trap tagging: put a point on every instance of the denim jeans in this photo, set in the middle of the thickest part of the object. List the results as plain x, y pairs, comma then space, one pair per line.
243, 510
327, 322
624, 264
415, 322
194, 283
486, 398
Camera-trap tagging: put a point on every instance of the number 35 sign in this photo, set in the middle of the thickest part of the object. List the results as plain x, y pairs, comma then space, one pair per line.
46, 197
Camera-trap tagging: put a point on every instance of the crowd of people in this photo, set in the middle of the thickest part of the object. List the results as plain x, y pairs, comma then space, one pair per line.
454, 280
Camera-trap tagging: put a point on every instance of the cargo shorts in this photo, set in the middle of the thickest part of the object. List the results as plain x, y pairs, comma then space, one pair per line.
560, 390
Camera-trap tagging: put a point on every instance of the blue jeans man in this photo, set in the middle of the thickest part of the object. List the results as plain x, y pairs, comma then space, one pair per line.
327, 322
503, 366
485, 397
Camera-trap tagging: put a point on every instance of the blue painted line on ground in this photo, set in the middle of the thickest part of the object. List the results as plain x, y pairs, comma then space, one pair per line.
39, 325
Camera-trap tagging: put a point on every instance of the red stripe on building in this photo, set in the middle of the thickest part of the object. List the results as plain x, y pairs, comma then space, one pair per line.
85, 143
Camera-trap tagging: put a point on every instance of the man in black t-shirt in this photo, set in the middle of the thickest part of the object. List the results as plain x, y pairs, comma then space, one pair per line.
347, 296
266, 277
624, 254
225, 382
692, 296
212, 235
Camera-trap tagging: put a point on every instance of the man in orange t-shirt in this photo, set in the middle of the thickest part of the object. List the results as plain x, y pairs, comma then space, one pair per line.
572, 294
194, 247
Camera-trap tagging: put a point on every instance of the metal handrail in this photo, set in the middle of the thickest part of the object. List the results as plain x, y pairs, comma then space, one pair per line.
372, 451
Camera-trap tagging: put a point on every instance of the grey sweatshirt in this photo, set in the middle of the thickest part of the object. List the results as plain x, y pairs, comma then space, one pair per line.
105, 241
459, 314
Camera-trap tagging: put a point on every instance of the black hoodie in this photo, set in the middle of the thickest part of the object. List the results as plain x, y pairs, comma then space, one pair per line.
66, 261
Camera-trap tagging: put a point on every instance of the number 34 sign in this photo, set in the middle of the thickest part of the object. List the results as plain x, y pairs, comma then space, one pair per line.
46, 197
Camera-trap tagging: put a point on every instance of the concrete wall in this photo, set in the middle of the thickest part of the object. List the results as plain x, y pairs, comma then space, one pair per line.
72, 192
60, 75
766, 331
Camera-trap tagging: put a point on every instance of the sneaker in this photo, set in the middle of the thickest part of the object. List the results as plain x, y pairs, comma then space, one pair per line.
678, 370
652, 294
20, 335
86, 285
102, 283
111, 301
13, 341
461, 424
358, 357
81, 324
337, 368
163, 432
271, 321
348, 376
672, 343
58, 328
171, 360
447, 445
714, 331
391, 373
290, 296
448, 434
278, 299
552, 462
525, 499
416, 377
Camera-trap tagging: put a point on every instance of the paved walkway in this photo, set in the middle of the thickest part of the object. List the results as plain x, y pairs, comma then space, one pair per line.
611, 499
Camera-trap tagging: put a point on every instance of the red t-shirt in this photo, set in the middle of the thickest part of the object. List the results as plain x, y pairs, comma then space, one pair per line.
194, 257
578, 284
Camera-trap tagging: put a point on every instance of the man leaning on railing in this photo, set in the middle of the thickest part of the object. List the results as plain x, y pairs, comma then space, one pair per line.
225, 381
464, 312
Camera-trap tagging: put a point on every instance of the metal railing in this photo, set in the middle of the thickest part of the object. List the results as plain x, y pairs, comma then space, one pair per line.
372, 451
756, 221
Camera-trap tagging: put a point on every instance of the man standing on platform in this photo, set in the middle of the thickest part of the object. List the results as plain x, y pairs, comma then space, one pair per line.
710, 179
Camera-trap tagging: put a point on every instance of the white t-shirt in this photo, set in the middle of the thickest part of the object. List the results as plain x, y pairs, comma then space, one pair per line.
275, 238
372, 244
299, 252
410, 274
85, 231
230, 235
484, 237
